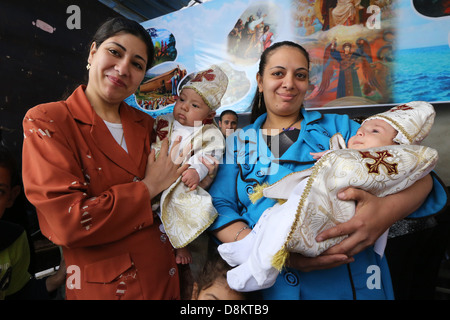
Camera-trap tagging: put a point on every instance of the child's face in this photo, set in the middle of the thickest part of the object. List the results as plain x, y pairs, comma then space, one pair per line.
219, 290
228, 124
190, 109
7, 193
373, 133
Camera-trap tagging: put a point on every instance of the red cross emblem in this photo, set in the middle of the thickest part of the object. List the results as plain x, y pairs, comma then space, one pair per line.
402, 107
379, 160
208, 75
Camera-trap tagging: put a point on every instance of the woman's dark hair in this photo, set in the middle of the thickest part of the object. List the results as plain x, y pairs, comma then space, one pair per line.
258, 104
120, 24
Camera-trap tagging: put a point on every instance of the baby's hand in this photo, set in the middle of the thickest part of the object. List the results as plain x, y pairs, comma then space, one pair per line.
317, 155
190, 178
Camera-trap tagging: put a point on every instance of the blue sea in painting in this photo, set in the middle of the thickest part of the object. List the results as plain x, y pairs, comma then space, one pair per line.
422, 74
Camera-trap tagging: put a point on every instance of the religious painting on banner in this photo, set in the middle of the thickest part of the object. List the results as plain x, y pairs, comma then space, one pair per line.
363, 52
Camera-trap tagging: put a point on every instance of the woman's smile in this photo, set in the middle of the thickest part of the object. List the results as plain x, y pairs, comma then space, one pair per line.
116, 81
286, 96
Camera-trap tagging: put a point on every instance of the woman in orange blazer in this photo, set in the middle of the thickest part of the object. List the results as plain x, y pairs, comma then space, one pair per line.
89, 170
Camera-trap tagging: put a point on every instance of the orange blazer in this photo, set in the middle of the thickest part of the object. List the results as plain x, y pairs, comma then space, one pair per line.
90, 200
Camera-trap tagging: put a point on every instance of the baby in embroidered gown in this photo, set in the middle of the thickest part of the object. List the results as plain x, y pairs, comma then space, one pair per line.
186, 209
382, 158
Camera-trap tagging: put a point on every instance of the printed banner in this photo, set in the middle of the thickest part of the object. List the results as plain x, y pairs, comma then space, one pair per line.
363, 52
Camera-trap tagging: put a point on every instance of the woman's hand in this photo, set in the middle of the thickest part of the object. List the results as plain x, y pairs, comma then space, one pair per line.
164, 170
324, 261
366, 226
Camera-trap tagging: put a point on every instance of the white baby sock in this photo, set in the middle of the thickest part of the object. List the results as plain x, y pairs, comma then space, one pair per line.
235, 253
241, 278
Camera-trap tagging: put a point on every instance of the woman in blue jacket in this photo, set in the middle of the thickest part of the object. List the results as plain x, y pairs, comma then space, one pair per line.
279, 142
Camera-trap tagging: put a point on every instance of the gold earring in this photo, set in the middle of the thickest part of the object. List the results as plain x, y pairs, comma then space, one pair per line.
88, 66
259, 101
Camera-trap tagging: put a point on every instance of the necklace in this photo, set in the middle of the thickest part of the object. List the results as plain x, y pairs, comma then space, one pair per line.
290, 127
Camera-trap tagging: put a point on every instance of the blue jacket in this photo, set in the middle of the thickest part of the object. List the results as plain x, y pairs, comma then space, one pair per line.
249, 162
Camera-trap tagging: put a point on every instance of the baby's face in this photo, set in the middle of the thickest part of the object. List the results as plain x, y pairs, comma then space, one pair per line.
373, 133
190, 109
